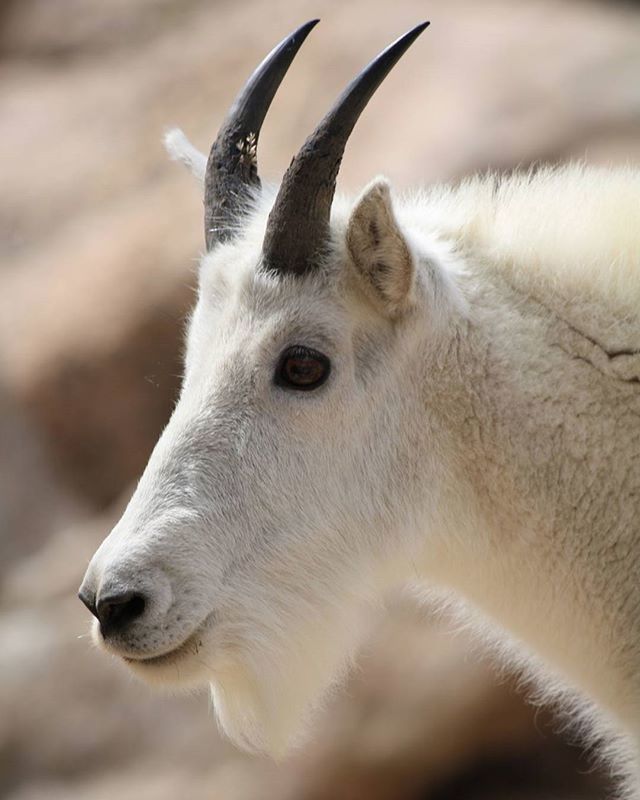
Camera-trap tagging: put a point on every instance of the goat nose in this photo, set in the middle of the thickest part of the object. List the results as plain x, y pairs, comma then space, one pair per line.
116, 611
89, 599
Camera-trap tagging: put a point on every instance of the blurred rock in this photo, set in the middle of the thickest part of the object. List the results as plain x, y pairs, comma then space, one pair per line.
33, 500
97, 366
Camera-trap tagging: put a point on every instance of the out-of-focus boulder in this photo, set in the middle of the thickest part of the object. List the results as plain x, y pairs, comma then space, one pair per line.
33, 499
91, 338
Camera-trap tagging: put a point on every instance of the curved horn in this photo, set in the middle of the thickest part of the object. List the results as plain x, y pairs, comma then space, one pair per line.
298, 226
232, 169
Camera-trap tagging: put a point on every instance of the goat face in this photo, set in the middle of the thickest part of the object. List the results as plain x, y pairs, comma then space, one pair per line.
271, 509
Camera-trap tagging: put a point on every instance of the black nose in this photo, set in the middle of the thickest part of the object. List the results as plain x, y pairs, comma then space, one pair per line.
89, 599
115, 611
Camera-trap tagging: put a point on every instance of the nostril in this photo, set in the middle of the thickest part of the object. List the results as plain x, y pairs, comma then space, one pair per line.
116, 611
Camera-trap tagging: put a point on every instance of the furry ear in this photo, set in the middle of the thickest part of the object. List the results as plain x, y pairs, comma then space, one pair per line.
180, 148
379, 251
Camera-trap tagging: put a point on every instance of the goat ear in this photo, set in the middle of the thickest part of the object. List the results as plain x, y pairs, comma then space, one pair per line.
180, 148
379, 251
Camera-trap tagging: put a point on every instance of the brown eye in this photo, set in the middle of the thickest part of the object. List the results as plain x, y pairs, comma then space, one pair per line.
302, 368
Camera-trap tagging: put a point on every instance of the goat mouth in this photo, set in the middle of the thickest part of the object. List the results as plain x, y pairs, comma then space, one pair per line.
190, 646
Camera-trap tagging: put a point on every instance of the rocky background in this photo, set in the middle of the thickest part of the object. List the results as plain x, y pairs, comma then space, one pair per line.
99, 237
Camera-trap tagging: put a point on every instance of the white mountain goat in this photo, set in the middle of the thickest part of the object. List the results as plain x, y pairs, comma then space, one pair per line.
442, 389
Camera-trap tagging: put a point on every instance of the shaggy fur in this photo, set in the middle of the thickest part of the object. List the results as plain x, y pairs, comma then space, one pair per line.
479, 433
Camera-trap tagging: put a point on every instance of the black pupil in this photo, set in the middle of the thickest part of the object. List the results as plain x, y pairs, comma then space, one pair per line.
302, 368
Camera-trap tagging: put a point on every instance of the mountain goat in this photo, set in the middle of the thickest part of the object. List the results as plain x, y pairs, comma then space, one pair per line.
440, 389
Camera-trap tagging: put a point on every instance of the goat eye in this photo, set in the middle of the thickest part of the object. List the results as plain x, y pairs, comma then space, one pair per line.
302, 368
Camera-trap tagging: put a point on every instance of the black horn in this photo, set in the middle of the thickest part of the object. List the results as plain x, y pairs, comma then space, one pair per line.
232, 170
298, 226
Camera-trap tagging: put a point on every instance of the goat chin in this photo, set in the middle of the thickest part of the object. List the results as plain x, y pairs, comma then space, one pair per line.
265, 693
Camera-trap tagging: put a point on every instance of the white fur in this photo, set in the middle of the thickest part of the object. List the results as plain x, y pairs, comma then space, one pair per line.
180, 148
484, 438
573, 229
